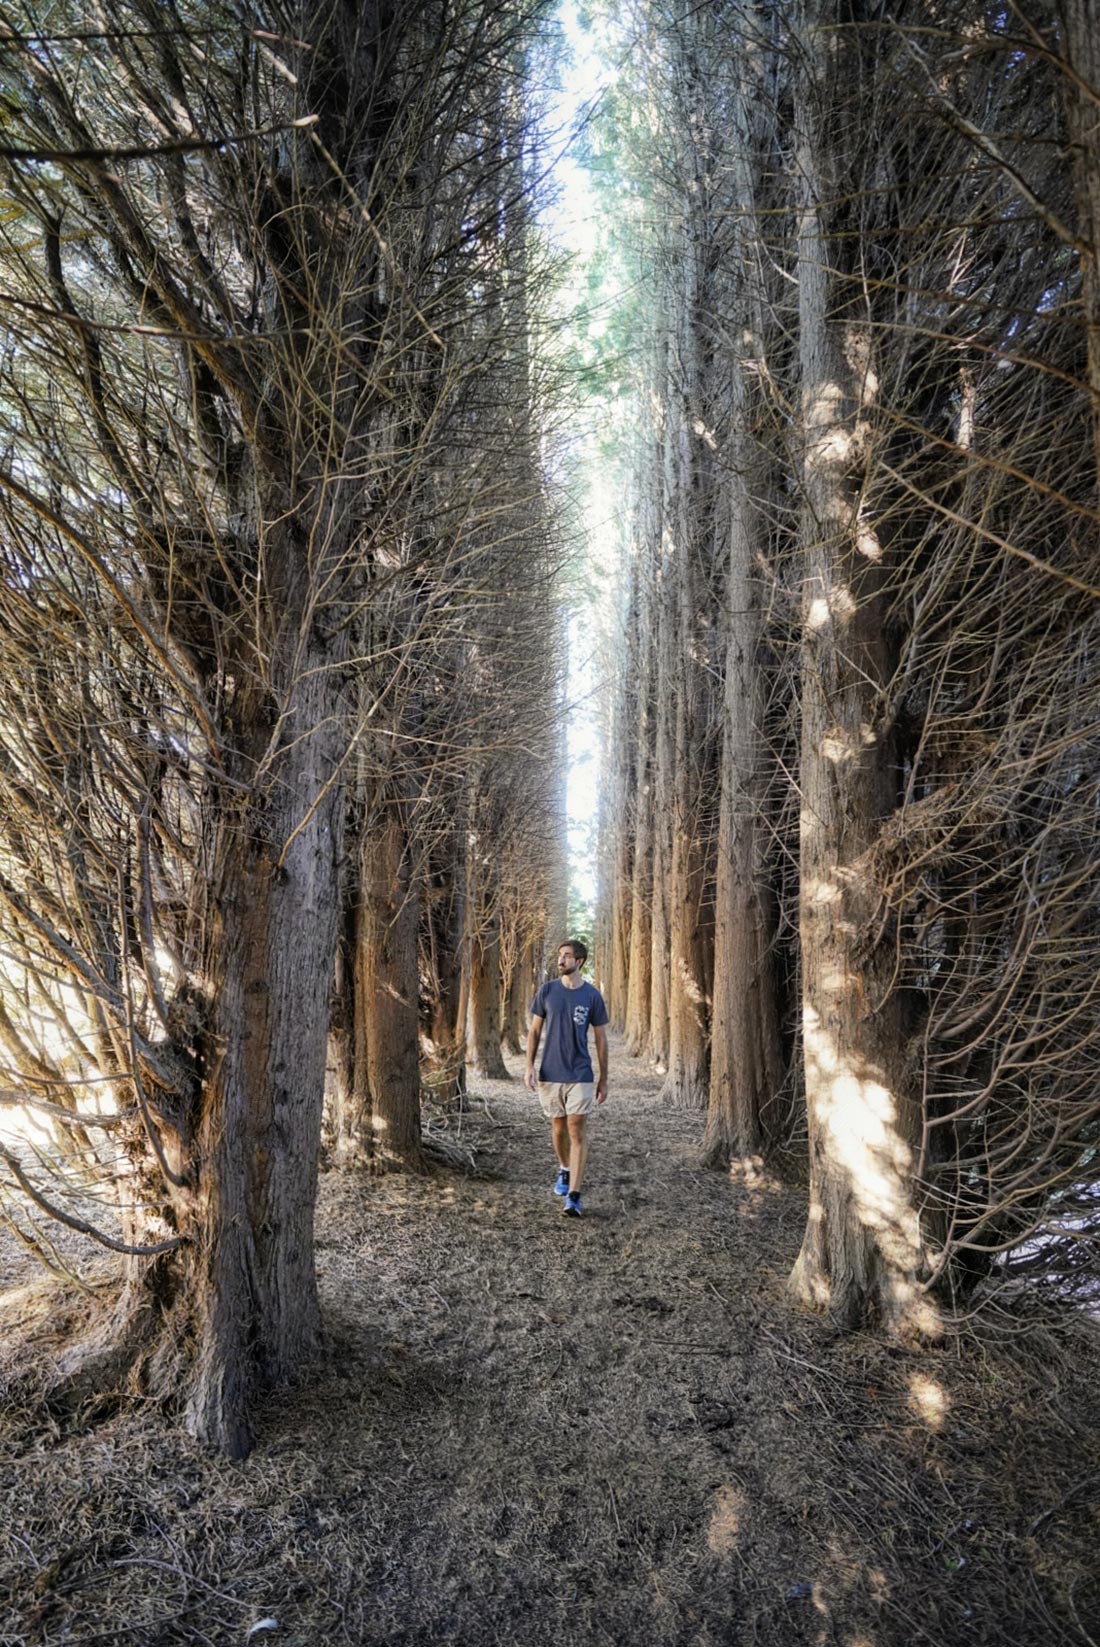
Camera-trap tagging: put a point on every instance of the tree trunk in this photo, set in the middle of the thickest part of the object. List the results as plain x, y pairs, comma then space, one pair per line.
442, 941
862, 1246
640, 959
686, 1082
272, 932
746, 1062
662, 811
483, 1037
521, 988
483, 1025
620, 937
382, 1119
746, 1065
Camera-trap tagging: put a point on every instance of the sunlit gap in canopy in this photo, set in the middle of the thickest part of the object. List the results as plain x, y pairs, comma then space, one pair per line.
584, 303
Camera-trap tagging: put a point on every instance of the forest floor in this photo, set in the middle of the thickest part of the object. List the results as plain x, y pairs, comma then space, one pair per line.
539, 1430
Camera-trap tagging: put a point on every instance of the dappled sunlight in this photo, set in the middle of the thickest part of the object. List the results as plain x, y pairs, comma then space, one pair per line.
747, 1170
856, 1110
33, 1301
857, 352
18, 1125
823, 408
821, 892
822, 609
756, 1184
726, 1520
689, 983
839, 746
928, 1400
867, 542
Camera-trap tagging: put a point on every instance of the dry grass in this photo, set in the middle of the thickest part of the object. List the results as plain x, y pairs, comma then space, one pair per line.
533, 1430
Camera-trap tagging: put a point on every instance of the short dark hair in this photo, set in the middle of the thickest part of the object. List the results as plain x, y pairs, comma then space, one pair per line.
580, 951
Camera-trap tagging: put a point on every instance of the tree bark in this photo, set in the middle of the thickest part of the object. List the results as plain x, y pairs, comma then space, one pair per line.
517, 1000
381, 1124
443, 1001
862, 1247
272, 935
483, 1026
685, 1084
662, 812
640, 959
483, 1036
746, 1061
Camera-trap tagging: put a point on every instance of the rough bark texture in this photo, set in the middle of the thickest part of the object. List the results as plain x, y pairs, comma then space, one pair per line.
618, 960
862, 1245
746, 1060
483, 1037
686, 1081
483, 1025
382, 1120
517, 999
746, 1063
662, 829
272, 934
640, 958
442, 998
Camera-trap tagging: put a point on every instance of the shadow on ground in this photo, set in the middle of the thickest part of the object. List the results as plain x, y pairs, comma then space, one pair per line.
535, 1430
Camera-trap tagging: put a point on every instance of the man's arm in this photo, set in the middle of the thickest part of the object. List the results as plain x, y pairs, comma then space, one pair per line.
601, 1053
533, 1034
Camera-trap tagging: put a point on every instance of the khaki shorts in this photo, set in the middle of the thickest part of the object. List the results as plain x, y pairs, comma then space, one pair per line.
567, 1098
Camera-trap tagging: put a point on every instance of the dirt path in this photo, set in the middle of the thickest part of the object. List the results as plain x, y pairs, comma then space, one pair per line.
538, 1430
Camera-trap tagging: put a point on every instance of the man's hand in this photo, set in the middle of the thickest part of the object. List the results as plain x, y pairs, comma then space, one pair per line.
529, 1079
601, 1090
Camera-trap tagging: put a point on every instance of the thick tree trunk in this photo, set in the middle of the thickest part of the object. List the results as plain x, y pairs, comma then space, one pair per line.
746, 1062
746, 1065
340, 1069
442, 943
640, 959
688, 1004
862, 1246
662, 828
381, 1121
272, 931
640, 963
620, 936
514, 997
517, 1001
483, 1027
483, 1037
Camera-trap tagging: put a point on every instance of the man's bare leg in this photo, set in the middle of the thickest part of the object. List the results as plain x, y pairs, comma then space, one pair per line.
560, 1132
578, 1151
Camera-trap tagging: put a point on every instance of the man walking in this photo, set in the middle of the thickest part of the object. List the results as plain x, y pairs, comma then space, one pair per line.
568, 1094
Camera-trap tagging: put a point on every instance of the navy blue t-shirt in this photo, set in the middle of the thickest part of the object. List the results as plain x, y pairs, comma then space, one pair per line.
567, 1014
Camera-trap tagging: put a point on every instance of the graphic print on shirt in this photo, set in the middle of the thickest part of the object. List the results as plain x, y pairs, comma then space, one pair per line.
580, 1014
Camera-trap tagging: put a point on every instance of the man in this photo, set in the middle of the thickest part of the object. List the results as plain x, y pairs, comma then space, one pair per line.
567, 1005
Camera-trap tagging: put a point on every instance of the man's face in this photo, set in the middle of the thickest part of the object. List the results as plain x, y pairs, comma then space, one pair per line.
567, 962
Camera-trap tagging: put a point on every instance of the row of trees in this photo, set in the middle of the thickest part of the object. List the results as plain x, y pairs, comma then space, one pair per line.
850, 862
280, 667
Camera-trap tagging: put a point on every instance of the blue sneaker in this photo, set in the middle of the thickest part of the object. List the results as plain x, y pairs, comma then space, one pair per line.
561, 1182
572, 1204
